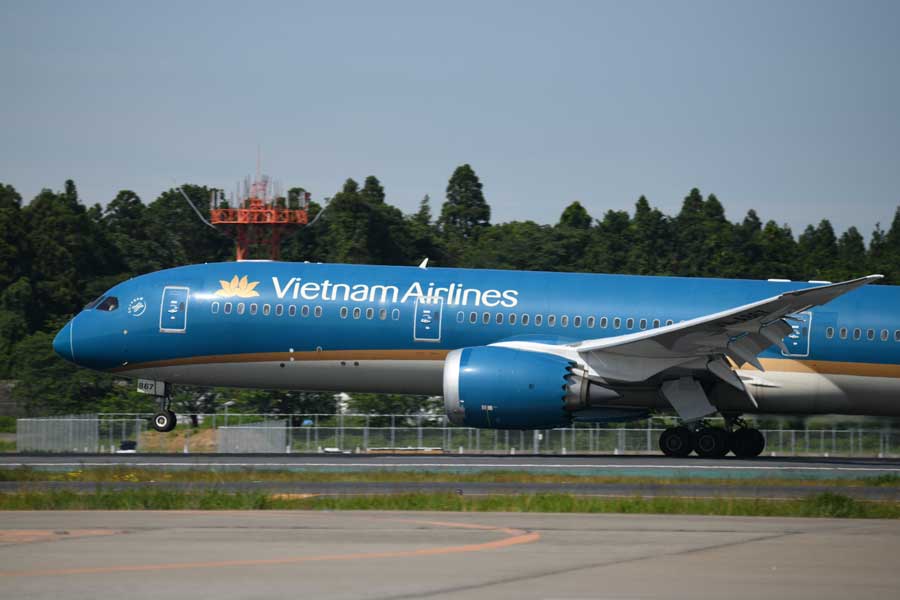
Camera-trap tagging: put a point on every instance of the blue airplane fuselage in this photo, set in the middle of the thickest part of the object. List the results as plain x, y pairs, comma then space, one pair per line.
388, 329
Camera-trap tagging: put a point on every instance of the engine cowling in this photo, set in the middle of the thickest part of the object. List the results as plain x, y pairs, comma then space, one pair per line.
503, 388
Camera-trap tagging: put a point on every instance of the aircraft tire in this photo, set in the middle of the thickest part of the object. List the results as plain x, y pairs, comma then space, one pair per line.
747, 442
164, 421
711, 442
676, 442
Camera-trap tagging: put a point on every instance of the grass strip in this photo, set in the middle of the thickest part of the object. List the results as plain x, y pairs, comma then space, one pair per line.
817, 505
135, 475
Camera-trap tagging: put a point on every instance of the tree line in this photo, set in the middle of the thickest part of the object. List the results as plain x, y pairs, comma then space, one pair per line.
57, 253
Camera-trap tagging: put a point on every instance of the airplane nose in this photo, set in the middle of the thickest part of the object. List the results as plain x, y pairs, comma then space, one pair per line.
62, 343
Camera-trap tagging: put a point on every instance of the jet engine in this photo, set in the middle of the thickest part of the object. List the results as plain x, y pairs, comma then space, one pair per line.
504, 388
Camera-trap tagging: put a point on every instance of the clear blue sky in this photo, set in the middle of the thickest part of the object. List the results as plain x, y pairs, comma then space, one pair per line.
792, 108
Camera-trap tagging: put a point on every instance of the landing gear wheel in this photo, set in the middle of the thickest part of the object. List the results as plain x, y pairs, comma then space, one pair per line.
164, 421
711, 442
747, 442
675, 441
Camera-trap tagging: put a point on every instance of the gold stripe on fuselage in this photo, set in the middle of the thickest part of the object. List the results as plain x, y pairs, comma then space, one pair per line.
788, 365
287, 356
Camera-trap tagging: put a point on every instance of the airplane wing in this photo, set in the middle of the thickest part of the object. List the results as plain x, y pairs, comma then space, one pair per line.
703, 343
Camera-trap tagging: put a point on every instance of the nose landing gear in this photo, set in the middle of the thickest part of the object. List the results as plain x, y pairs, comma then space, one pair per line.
164, 420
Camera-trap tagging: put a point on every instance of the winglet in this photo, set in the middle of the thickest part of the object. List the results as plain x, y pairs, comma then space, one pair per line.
424, 263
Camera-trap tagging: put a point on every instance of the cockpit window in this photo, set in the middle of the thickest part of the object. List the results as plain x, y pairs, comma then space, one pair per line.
110, 303
93, 303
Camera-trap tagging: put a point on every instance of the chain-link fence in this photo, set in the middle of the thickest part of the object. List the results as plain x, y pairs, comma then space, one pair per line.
243, 433
79, 433
71, 433
266, 437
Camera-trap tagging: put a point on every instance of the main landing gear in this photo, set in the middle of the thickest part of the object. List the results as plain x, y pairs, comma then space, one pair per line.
713, 442
164, 420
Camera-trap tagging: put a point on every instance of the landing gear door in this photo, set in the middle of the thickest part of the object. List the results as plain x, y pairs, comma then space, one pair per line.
173, 309
427, 325
797, 341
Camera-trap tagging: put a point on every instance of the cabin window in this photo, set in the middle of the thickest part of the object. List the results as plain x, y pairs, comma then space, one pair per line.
395, 314
843, 333
111, 303
499, 318
460, 317
857, 333
382, 313
304, 310
240, 308
551, 320
279, 310
473, 317
884, 335
897, 335
525, 319
870, 334
564, 321
356, 312
591, 321
655, 323
643, 324
370, 312
603, 322
292, 311
267, 308
829, 332
512, 318
486, 318
344, 312
669, 322
227, 308
629, 324
538, 319
617, 322
318, 312
214, 307
253, 308
576, 322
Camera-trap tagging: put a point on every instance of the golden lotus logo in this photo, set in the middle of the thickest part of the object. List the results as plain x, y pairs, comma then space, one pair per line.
238, 287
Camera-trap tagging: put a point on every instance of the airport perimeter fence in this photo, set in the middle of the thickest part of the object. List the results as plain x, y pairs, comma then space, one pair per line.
268, 437
241, 433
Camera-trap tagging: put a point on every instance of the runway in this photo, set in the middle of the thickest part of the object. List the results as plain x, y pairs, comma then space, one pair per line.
638, 466
264, 554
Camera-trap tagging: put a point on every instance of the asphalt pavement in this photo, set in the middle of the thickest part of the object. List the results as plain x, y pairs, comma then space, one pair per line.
392, 555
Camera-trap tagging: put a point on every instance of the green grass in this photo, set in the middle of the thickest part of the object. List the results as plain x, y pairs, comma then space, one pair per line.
818, 505
126, 474
7, 446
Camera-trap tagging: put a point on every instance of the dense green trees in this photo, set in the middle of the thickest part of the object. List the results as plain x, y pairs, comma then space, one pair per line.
56, 254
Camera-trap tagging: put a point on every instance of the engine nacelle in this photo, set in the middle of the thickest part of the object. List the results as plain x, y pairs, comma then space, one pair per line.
503, 388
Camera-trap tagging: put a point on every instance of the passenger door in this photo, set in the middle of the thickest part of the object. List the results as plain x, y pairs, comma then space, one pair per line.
173, 310
427, 323
797, 341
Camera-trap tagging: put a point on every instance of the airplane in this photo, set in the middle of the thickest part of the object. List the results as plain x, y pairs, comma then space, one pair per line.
509, 349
